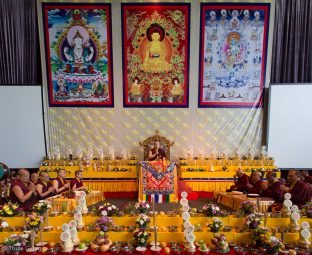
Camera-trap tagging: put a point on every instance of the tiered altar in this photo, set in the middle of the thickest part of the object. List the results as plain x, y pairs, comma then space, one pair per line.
122, 232
211, 175
106, 175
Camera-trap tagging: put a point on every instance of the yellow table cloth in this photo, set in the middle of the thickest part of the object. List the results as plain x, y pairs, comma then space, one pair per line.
234, 201
162, 221
61, 204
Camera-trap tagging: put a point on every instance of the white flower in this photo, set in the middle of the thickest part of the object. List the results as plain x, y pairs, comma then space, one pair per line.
114, 207
147, 205
141, 222
25, 236
4, 224
104, 213
109, 208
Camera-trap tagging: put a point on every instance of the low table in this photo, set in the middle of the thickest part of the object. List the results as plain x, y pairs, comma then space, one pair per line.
233, 201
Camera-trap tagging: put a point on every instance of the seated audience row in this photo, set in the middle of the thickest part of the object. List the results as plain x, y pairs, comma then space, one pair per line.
26, 190
298, 185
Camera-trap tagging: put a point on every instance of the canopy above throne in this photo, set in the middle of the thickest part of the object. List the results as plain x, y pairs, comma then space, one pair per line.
164, 143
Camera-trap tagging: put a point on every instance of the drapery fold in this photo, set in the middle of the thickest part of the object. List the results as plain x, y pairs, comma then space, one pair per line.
19, 47
292, 42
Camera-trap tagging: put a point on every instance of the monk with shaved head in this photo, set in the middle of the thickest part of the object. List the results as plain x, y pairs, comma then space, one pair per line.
255, 185
301, 192
240, 184
23, 191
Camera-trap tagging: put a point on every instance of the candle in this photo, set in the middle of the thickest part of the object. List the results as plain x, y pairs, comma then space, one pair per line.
154, 219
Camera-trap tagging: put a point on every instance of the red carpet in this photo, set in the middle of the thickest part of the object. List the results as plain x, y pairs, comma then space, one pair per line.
121, 194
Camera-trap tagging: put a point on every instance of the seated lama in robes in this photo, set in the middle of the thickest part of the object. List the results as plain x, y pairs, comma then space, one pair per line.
255, 185
76, 183
301, 192
44, 187
59, 183
240, 183
306, 177
23, 191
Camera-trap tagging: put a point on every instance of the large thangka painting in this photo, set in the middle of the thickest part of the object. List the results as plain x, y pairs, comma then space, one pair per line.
155, 54
233, 51
78, 54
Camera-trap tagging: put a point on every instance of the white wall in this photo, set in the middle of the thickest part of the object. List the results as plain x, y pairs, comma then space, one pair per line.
21, 126
290, 125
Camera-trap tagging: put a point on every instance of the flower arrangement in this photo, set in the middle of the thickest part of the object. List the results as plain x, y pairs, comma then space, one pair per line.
107, 209
274, 245
3, 223
211, 210
142, 206
33, 220
141, 237
253, 221
16, 243
42, 207
246, 208
128, 208
215, 225
143, 221
104, 223
9, 209
259, 236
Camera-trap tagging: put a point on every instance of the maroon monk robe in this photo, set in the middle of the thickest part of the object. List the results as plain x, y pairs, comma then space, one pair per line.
241, 183
45, 188
27, 204
256, 188
301, 193
76, 181
308, 179
274, 191
61, 183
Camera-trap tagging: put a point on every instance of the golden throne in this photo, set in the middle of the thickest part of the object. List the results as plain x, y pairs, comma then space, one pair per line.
164, 144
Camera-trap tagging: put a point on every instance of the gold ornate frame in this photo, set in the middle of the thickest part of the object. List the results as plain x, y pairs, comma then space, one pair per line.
156, 138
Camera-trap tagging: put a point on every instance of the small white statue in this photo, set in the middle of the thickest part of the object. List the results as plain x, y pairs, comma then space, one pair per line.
237, 153
124, 152
57, 152
264, 153
79, 153
101, 152
225, 153
214, 153
112, 152
251, 153
90, 153
201, 153
190, 152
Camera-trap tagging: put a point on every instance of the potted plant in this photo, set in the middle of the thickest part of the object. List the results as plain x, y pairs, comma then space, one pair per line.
253, 221
10, 209
42, 207
104, 223
141, 237
143, 221
142, 206
246, 208
107, 209
211, 210
215, 225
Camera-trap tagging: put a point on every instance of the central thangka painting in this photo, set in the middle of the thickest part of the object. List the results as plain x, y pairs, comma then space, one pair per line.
155, 54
